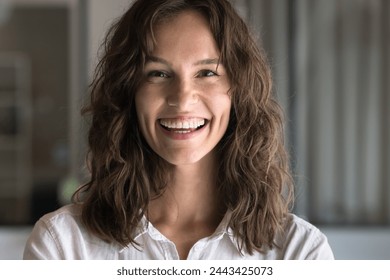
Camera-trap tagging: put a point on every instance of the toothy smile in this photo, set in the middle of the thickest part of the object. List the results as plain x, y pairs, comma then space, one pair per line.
182, 125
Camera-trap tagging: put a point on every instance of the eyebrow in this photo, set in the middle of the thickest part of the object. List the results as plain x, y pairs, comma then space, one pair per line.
206, 61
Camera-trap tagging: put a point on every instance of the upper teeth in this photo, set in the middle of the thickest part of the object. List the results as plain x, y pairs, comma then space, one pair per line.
180, 124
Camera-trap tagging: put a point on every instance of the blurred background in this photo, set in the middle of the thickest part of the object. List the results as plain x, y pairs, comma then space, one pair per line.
331, 66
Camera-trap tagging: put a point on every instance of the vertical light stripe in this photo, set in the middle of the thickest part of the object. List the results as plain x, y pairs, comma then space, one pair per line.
385, 74
372, 158
301, 140
349, 70
342, 110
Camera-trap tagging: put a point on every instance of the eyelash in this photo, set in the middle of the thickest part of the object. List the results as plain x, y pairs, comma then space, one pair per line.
163, 75
158, 74
205, 73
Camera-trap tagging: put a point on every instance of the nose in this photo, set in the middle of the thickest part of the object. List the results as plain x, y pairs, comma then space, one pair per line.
183, 94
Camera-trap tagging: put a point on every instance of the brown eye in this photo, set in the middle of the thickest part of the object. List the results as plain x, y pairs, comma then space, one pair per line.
157, 74
207, 73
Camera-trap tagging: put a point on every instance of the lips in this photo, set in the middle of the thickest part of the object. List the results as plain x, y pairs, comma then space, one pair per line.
182, 126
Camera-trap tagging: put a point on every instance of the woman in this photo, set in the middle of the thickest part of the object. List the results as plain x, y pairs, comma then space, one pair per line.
186, 148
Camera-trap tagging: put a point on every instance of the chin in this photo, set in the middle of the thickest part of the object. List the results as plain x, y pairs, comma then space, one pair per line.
189, 158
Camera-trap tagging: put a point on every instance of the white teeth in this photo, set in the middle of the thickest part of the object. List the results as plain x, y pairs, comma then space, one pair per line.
182, 124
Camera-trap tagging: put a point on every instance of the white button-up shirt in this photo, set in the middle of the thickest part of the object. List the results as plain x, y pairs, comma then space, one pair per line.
61, 235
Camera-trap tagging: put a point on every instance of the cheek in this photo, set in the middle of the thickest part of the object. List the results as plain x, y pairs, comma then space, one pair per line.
148, 105
140, 97
223, 105
144, 103
221, 108
225, 110
142, 111
220, 98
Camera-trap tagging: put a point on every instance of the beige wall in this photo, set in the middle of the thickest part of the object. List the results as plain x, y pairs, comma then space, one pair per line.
101, 14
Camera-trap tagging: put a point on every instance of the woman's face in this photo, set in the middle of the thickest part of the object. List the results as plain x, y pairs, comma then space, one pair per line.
182, 104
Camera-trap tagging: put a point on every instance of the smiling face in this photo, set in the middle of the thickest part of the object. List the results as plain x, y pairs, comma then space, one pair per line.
182, 104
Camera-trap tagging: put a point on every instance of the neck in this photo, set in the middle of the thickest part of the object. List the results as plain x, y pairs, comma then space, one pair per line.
192, 195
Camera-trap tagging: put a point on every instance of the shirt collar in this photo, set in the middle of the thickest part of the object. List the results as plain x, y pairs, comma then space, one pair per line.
145, 227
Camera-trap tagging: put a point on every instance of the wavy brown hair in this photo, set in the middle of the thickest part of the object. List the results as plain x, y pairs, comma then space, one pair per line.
126, 174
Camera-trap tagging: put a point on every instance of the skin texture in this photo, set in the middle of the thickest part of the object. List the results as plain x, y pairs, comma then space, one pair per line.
184, 84
183, 81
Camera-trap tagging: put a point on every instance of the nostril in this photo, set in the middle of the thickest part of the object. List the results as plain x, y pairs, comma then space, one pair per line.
182, 98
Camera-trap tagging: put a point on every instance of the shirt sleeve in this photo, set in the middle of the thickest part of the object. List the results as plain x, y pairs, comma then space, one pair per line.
304, 241
42, 244
320, 248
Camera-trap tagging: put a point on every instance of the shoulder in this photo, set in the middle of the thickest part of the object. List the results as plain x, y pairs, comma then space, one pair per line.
59, 235
66, 214
62, 222
299, 226
302, 240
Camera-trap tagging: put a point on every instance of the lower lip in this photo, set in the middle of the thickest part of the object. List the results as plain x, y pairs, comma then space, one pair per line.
182, 136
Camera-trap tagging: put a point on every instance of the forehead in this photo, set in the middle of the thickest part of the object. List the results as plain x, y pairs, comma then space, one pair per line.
188, 29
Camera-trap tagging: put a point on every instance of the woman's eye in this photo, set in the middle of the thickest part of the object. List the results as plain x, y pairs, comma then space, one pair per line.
207, 73
157, 74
